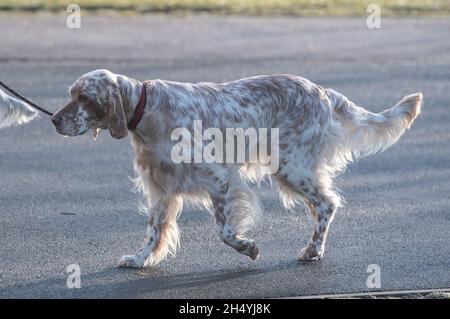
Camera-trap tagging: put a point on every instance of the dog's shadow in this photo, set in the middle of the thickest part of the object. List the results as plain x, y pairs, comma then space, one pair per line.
113, 282
157, 279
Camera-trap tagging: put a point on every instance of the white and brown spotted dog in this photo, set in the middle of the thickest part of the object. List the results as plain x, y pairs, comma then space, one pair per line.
320, 132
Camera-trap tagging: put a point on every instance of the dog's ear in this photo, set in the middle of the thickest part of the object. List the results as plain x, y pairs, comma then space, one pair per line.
117, 120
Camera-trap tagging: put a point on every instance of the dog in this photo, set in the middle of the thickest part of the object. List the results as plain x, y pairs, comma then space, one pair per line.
14, 111
320, 133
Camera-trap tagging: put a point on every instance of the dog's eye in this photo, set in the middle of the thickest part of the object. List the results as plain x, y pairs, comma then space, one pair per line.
82, 98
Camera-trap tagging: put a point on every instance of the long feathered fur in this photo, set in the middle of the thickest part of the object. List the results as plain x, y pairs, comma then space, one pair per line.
14, 111
367, 133
320, 133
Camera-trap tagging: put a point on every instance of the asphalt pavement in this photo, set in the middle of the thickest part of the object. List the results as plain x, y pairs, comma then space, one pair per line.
68, 200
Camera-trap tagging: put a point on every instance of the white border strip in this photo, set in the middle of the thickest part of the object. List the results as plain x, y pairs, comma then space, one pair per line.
374, 293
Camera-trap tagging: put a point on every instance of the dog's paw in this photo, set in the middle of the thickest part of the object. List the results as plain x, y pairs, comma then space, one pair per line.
253, 252
131, 261
310, 253
249, 248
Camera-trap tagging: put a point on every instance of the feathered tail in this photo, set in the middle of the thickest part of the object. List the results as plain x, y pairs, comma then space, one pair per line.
366, 133
14, 111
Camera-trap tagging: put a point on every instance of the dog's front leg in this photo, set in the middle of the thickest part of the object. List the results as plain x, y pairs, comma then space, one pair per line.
234, 211
161, 237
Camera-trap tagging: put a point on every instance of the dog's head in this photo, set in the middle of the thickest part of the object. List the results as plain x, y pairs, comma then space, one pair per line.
95, 104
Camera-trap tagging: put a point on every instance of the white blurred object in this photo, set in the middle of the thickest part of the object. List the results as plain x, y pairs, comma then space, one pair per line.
14, 111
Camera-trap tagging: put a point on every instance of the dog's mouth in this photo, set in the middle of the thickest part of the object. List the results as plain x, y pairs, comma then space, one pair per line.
60, 132
71, 134
95, 131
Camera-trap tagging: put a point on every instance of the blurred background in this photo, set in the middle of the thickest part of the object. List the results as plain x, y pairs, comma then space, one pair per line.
249, 7
68, 200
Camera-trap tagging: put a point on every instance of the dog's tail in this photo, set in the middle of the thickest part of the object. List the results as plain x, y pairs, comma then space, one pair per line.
366, 133
14, 111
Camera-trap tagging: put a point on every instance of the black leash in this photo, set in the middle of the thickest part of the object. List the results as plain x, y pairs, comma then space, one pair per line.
37, 107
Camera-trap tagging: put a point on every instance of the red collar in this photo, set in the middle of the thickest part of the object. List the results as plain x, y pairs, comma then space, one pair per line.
139, 110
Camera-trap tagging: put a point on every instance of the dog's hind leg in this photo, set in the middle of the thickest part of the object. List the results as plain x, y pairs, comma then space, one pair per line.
235, 209
162, 235
322, 203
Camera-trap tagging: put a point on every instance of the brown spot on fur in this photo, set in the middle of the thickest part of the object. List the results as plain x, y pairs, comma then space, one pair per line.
315, 236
